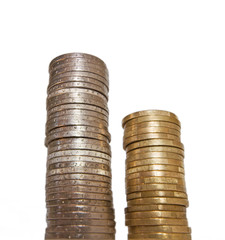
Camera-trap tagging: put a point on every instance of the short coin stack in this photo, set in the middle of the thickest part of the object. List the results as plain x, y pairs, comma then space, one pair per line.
78, 182
155, 183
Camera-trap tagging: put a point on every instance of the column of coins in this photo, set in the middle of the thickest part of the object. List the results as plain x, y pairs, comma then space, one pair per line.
78, 181
155, 181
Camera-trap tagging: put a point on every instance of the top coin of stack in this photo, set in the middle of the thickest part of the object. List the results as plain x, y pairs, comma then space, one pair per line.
155, 182
78, 182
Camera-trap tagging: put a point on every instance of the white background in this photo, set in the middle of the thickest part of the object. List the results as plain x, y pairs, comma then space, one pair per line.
160, 54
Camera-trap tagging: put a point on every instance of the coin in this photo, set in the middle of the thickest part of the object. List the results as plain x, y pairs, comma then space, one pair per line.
78, 195
149, 136
152, 118
162, 149
77, 159
74, 235
81, 229
155, 214
156, 186
154, 174
164, 236
156, 222
158, 207
151, 161
77, 182
148, 113
90, 222
155, 193
155, 142
166, 229
158, 200
156, 168
78, 176
164, 180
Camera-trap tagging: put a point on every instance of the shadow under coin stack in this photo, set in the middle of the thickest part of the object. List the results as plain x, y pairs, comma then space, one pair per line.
78, 182
155, 182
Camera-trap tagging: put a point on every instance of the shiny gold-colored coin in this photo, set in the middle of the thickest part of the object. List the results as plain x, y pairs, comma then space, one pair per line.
157, 161
156, 207
157, 118
164, 236
161, 149
170, 168
156, 222
156, 186
155, 180
158, 200
149, 136
166, 229
155, 214
147, 113
155, 173
155, 142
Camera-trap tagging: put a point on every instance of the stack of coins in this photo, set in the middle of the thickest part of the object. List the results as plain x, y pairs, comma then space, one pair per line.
155, 183
78, 182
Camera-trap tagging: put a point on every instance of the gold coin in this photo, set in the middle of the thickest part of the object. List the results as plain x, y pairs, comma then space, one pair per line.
155, 168
139, 131
161, 149
154, 174
155, 142
158, 200
164, 180
149, 136
151, 161
164, 236
156, 222
155, 214
152, 118
147, 113
158, 207
154, 193
156, 186
166, 229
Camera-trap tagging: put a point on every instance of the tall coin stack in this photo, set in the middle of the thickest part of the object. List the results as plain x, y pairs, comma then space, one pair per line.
155, 181
78, 182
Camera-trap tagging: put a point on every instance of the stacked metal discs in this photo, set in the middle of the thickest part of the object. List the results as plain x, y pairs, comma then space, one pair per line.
78, 182
155, 183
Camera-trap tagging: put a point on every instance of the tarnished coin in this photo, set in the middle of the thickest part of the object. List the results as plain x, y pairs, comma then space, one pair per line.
158, 200
90, 222
81, 208
64, 183
155, 142
166, 229
150, 118
80, 201
156, 222
158, 207
84, 236
154, 174
78, 176
164, 236
77, 159
80, 74
151, 161
81, 229
157, 187
78, 106
154, 193
78, 195
147, 113
170, 168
